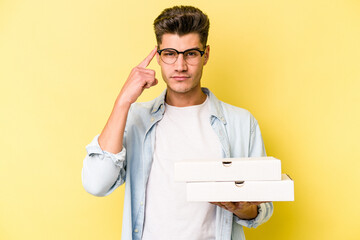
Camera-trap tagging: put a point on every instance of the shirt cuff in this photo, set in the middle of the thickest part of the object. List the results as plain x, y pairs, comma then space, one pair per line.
255, 222
94, 149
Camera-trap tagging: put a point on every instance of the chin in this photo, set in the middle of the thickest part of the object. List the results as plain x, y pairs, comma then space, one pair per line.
181, 89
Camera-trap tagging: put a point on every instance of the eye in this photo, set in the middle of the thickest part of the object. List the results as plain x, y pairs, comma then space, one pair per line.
192, 53
168, 53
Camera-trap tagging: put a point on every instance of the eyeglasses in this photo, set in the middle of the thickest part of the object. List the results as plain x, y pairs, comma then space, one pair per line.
191, 56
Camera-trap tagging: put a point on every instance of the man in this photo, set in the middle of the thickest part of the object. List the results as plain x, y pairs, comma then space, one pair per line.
141, 141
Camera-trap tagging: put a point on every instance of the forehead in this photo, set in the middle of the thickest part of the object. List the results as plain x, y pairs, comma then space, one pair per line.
180, 43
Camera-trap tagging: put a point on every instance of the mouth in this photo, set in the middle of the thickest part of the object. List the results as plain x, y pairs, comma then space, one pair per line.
180, 78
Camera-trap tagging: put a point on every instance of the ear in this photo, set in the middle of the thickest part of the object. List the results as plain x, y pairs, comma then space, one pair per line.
206, 54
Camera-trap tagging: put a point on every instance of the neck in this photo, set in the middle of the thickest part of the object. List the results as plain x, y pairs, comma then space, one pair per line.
185, 99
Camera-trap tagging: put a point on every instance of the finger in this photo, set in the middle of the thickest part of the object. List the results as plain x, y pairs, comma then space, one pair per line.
155, 82
240, 205
217, 203
147, 71
250, 203
151, 83
148, 59
229, 206
224, 205
258, 203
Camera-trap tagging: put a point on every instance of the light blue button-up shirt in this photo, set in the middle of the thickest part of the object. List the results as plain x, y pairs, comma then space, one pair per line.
103, 172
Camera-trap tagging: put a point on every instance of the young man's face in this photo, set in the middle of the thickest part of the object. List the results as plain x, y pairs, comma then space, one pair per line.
180, 76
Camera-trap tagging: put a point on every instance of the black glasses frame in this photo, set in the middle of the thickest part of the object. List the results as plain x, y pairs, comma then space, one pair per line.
178, 52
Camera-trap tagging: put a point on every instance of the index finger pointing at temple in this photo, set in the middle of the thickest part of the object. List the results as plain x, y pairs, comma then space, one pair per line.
148, 59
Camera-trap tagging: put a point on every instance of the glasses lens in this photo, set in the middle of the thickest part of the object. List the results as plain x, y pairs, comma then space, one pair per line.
192, 56
169, 56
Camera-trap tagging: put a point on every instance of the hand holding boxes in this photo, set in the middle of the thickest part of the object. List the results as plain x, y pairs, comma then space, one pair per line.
235, 180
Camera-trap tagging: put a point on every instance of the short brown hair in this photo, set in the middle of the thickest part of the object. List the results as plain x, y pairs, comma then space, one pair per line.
182, 20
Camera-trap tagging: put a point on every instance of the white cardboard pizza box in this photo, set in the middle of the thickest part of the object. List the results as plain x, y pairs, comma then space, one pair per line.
237, 191
228, 169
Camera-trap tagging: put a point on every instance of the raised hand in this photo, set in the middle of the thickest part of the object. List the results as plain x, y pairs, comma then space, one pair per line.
139, 79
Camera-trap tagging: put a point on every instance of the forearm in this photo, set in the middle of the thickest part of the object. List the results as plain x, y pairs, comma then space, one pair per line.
111, 137
105, 165
140, 78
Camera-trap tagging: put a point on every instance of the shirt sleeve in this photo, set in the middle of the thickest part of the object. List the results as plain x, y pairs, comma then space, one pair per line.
257, 149
265, 210
256, 146
102, 171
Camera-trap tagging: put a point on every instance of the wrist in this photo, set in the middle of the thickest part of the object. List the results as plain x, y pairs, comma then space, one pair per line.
122, 102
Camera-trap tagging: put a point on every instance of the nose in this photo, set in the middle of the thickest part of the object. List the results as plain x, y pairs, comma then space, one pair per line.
180, 64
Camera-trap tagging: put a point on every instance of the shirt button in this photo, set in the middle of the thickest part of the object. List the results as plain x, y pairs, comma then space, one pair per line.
136, 230
141, 203
152, 119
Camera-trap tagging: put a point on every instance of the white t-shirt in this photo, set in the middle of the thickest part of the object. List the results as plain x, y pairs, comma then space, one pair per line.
183, 133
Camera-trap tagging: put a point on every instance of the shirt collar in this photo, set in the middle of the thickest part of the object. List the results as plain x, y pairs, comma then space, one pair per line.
215, 106
159, 103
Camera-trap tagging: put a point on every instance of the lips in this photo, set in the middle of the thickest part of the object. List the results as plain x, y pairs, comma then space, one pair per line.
180, 77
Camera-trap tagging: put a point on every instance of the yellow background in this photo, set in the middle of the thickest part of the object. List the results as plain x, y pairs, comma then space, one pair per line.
293, 64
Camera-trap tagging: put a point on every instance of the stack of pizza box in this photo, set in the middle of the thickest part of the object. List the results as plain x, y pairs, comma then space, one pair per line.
234, 180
